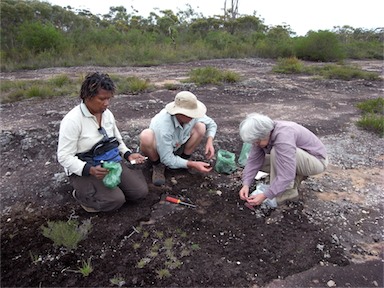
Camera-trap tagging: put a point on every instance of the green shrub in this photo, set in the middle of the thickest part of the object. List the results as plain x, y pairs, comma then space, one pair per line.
321, 46
39, 37
66, 233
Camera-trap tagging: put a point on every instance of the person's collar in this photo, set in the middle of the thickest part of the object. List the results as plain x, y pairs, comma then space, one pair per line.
175, 121
84, 110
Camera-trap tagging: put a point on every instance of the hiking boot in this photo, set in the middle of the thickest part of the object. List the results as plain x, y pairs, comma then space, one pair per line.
290, 194
158, 178
88, 209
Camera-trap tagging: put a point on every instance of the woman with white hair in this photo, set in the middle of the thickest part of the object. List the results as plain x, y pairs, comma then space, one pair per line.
286, 150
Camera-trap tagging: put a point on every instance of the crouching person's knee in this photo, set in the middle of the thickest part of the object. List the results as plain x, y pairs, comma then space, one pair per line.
138, 194
113, 203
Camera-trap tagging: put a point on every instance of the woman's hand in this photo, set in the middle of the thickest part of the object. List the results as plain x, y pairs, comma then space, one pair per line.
256, 200
98, 171
244, 192
137, 157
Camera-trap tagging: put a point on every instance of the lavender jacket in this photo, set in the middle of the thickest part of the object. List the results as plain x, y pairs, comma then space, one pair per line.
285, 138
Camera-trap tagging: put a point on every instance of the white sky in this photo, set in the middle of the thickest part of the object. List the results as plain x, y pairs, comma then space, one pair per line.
300, 15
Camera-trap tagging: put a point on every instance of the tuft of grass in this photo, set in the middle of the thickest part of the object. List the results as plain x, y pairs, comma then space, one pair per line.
163, 273
372, 106
373, 123
345, 72
17, 90
290, 65
35, 258
212, 75
293, 65
117, 280
136, 246
131, 85
373, 115
38, 90
66, 233
144, 261
60, 80
86, 268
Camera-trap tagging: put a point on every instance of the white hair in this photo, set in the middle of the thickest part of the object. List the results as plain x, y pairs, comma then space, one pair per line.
255, 127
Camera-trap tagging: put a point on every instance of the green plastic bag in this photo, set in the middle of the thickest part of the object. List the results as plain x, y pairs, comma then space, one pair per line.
244, 154
225, 162
112, 179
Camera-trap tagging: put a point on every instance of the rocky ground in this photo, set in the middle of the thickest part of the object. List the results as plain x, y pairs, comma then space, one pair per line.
332, 237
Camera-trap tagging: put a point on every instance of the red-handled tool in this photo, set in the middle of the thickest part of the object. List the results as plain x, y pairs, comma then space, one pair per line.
178, 201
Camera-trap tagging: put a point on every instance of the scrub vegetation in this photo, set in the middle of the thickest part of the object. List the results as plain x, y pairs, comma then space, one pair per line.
36, 34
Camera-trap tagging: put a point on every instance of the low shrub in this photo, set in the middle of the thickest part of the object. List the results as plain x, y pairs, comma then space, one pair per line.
66, 233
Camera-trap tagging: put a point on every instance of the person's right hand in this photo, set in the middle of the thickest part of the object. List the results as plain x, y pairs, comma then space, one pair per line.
98, 171
244, 192
200, 166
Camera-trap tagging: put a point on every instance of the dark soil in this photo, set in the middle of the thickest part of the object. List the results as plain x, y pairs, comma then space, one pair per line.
333, 236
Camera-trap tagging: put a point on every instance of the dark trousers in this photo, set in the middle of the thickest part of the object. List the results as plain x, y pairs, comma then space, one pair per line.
91, 192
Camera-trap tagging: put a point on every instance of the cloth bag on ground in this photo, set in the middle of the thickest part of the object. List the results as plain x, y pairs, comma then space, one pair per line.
244, 154
225, 162
112, 179
261, 188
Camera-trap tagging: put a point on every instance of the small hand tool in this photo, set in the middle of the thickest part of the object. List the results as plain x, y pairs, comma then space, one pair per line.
178, 201
133, 162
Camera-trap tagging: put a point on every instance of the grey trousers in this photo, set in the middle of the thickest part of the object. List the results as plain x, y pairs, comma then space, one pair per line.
306, 165
91, 192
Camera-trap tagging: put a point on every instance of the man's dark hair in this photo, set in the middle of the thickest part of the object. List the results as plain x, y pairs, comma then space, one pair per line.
94, 82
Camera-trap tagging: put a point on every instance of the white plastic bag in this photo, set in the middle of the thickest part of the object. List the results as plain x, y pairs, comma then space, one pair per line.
261, 188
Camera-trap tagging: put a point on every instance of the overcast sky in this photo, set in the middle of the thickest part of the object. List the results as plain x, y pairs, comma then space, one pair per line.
301, 15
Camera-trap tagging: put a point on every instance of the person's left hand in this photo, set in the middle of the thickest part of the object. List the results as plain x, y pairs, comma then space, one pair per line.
139, 159
256, 200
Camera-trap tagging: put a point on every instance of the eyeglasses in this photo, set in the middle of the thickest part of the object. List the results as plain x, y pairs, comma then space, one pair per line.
104, 133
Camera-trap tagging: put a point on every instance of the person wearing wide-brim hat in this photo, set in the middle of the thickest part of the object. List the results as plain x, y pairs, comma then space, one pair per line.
175, 133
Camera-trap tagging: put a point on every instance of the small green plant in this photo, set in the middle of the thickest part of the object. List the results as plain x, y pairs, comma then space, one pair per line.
35, 258
173, 264
212, 75
86, 268
66, 233
144, 261
195, 247
159, 234
117, 280
185, 252
163, 273
168, 243
136, 246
